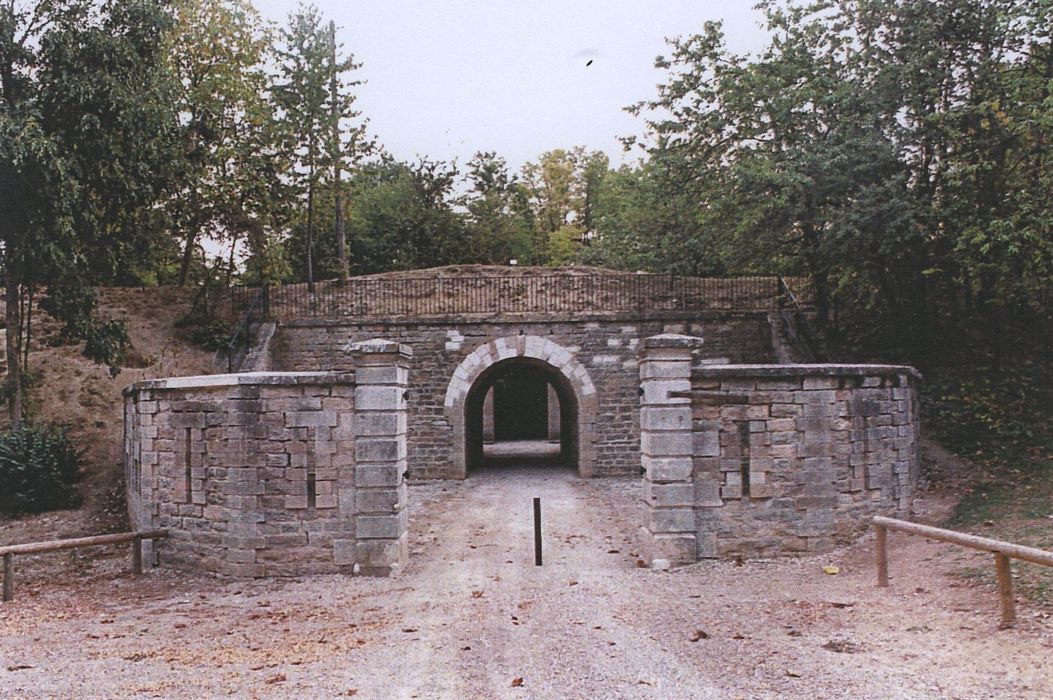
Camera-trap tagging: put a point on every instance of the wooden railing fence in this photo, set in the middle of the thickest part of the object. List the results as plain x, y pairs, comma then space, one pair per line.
1003, 552
136, 538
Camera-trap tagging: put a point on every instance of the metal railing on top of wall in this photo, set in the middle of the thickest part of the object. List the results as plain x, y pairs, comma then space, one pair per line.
380, 297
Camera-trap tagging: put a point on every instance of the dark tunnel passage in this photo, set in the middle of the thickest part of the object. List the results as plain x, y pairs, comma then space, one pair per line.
521, 411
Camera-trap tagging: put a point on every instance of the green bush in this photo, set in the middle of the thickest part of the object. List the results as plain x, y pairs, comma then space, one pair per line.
39, 468
999, 410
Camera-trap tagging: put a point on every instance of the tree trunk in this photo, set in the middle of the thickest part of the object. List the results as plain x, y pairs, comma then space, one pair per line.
188, 255
341, 243
310, 236
14, 353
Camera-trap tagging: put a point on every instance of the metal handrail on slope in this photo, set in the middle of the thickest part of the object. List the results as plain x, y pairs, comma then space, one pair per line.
241, 332
798, 325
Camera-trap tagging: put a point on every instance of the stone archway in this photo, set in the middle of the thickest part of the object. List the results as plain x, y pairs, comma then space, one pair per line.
540, 350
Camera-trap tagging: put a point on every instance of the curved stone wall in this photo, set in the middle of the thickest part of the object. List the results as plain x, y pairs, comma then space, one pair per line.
271, 473
757, 460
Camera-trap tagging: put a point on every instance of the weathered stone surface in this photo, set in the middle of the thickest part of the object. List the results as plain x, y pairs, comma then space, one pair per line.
260, 474
448, 353
786, 458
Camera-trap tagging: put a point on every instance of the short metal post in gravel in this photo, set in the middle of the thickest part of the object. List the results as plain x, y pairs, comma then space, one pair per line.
9, 577
537, 532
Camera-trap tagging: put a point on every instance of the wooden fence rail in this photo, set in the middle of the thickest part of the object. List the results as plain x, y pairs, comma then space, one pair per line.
136, 538
1003, 552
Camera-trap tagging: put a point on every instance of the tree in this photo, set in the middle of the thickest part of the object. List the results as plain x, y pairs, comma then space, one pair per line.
884, 148
217, 51
86, 146
498, 211
315, 98
563, 187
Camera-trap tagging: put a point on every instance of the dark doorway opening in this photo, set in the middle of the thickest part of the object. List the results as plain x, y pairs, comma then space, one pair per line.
521, 411
519, 402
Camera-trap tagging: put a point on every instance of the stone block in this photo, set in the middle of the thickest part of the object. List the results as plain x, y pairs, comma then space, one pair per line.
344, 550
378, 475
380, 557
373, 527
665, 550
675, 444
705, 443
380, 398
325, 501
656, 418
298, 502
674, 495
381, 423
666, 469
669, 520
665, 369
388, 500
656, 391
310, 419
380, 450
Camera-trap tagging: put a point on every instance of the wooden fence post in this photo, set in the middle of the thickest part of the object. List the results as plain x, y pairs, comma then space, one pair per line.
882, 555
1005, 589
9, 577
137, 556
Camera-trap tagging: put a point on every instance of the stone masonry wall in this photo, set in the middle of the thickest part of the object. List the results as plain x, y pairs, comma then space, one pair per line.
264, 474
757, 460
606, 346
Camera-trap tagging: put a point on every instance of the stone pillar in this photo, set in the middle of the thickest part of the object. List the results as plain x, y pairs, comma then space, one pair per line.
381, 380
669, 535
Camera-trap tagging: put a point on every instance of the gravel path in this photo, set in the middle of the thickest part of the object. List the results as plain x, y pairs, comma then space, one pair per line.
472, 617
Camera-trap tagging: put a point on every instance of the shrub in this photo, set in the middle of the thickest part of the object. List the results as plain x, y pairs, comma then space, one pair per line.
39, 468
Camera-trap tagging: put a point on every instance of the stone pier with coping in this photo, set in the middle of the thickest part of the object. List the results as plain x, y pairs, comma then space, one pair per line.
761, 460
274, 473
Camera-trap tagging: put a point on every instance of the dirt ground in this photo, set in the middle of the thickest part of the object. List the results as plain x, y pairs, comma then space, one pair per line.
472, 617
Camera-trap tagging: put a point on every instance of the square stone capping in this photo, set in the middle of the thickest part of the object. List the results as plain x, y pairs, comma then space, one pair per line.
379, 346
208, 381
802, 370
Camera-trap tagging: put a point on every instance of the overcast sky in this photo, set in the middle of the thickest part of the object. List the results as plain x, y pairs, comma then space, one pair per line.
447, 78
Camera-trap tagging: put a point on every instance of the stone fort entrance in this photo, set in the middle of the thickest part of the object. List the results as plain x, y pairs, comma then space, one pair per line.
535, 365
299, 461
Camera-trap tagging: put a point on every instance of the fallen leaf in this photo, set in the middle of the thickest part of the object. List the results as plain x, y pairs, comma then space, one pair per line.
351, 692
517, 682
477, 594
409, 629
18, 667
641, 564
699, 634
831, 570
280, 678
792, 674
572, 583
613, 551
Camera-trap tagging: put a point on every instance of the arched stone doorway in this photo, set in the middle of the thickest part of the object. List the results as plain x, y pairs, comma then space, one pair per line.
522, 359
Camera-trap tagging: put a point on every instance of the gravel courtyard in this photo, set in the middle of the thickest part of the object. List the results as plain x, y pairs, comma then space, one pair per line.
472, 617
